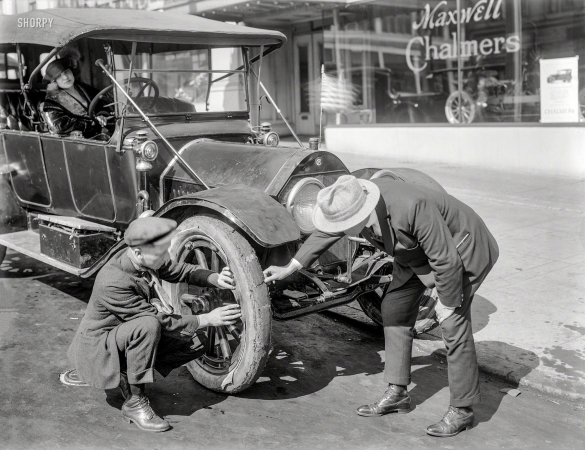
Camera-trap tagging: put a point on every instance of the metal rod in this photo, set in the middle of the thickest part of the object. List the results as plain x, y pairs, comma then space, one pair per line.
186, 166
223, 342
209, 79
41, 65
321, 105
279, 111
258, 90
458, 50
22, 85
250, 62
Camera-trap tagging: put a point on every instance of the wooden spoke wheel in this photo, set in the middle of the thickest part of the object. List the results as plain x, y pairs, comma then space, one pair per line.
460, 109
235, 354
371, 304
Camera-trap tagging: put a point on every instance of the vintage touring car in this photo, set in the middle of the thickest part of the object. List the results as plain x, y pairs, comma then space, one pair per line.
181, 146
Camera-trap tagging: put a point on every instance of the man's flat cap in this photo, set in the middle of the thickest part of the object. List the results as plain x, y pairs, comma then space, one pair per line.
149, 230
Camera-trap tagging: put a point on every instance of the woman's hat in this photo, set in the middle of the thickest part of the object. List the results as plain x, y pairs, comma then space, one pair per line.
54, 69
345, 204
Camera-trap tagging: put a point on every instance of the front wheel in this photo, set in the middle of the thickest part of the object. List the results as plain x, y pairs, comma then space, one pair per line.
460, 109
371, 304
234, 355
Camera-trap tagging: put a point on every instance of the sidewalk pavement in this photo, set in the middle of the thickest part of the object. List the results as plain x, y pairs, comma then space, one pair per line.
529, 314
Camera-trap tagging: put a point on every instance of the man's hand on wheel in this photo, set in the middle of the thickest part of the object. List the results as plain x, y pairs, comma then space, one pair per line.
224, 279
274, 273
224, 315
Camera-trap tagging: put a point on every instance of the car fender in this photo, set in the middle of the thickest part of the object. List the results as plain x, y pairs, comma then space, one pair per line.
402, 174
262, 218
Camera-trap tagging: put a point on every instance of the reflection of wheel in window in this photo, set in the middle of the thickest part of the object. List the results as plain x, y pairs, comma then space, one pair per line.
460, 109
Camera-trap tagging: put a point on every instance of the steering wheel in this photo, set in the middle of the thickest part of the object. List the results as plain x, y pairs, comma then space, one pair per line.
145, 82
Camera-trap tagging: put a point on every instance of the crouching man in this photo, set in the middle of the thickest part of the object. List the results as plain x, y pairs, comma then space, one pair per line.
129, 328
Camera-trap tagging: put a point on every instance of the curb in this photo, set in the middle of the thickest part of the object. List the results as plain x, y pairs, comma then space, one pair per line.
507, 371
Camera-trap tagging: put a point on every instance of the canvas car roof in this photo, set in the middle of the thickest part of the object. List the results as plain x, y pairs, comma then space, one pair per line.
69, 24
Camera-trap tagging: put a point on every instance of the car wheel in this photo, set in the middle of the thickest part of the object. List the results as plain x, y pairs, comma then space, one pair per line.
371, 304
236, 354
460, 110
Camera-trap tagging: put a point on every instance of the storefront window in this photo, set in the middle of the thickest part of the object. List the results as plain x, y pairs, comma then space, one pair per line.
463, 61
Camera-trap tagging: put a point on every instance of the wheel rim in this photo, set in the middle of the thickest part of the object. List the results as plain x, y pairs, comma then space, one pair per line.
223, 344
461, 109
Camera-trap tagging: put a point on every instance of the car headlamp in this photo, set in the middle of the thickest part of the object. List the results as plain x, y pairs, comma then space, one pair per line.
148, 151
301, 201
271, 139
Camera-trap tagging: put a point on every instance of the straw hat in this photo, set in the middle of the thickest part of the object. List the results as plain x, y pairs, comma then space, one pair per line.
345, 204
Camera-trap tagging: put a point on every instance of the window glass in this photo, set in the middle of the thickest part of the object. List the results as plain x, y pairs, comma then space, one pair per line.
181, 81
9, 66
427, 62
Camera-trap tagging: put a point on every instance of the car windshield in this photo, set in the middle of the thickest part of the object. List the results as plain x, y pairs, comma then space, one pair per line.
179, 82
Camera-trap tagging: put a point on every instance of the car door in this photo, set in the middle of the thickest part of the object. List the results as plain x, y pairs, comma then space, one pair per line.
26, 167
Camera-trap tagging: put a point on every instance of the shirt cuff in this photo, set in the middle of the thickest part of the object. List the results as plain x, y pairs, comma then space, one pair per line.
200, 277
297, 265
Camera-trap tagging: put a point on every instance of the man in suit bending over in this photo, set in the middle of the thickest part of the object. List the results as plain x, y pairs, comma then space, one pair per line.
437, 241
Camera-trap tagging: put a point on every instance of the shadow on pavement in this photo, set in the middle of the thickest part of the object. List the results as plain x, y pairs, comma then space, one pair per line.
176, 395
307, 361
17, 265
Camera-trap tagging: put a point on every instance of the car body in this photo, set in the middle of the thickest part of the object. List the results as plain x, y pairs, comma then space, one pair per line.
564, 75
182, 147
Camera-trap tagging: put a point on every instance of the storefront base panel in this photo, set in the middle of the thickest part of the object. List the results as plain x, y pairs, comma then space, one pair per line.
548, 149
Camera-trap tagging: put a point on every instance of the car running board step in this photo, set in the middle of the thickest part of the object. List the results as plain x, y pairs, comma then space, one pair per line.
28, 243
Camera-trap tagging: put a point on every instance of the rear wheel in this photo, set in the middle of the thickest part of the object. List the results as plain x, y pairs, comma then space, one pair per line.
234, 355
460, 109
371, 304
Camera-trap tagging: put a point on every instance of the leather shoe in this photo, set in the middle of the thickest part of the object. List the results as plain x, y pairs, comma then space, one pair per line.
395, 399
137, 409
453, 422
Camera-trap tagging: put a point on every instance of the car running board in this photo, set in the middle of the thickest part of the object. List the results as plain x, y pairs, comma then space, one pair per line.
28, 243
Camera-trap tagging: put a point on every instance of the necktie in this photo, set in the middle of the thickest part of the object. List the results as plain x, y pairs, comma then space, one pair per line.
161, 302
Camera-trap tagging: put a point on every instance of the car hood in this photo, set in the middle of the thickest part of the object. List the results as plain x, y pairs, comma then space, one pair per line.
265, 168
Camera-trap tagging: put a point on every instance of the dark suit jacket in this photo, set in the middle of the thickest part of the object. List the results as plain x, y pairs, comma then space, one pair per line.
426, 226
120, 294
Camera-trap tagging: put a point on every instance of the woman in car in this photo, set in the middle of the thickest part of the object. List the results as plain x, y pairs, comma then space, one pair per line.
66, 105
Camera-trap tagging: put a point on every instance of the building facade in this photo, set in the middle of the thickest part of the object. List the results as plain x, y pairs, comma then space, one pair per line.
427, 74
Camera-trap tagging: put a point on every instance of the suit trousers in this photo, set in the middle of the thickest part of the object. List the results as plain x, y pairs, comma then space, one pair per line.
142, 348
399, 312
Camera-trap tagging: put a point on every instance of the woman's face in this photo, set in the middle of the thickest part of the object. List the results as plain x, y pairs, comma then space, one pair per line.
65, 80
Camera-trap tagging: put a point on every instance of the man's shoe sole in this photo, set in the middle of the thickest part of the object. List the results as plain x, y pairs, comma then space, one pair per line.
129, 420
468, 427
397, 411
